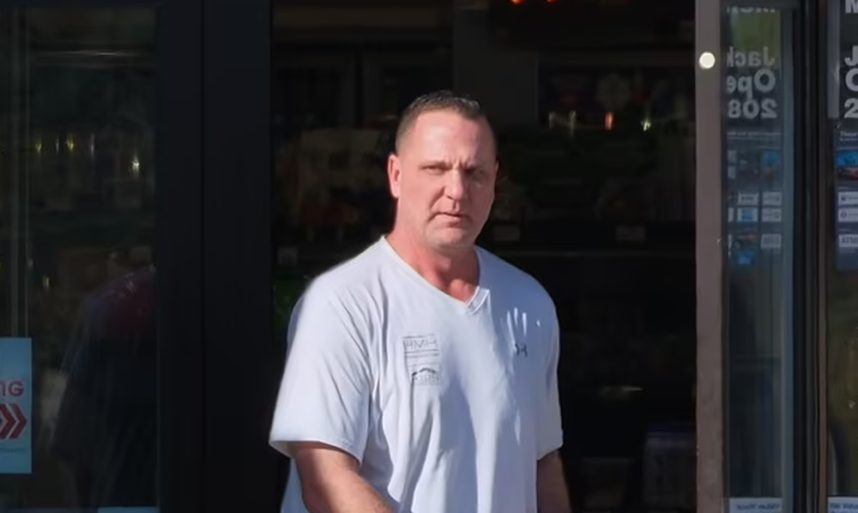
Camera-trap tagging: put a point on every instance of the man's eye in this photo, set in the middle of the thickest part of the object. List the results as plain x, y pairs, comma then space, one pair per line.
477, 174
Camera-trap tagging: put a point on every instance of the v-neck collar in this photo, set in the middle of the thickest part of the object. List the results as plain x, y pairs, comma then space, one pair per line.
470, 306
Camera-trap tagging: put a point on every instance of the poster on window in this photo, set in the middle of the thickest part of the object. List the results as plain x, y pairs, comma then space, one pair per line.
754, 143
756, 505
846, 141
16, 405
843, 505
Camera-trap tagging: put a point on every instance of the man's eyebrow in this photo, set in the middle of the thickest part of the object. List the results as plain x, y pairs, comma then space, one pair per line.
435, 164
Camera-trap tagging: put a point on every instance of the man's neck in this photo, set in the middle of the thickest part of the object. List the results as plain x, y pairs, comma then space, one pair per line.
456, 273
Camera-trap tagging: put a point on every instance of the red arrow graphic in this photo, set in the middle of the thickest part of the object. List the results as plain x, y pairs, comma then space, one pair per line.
22, 422
8, 421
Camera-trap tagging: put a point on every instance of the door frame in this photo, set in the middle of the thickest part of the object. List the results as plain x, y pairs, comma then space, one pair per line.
709, 256
243, 359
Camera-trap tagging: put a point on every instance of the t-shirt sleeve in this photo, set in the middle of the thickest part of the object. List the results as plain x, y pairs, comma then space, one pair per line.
550, 428
324, 394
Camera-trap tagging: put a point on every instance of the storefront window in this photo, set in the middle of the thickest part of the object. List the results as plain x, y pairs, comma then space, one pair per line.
842, 281
758, 174
77, 328
593, 106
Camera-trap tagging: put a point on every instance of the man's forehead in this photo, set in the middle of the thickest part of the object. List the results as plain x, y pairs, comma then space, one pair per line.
429, 125
447, 117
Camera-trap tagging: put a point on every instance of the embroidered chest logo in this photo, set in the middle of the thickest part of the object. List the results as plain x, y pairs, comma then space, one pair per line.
422, 359
520, 349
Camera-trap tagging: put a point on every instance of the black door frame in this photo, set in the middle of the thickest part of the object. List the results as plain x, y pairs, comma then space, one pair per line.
179, 256
242, 353
219, 353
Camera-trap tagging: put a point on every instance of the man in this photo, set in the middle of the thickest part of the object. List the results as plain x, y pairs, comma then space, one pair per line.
421, 374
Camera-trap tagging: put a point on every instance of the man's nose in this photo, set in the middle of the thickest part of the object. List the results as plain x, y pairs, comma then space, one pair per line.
457, 184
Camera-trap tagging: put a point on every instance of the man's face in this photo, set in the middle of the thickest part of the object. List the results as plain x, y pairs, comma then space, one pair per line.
443, 179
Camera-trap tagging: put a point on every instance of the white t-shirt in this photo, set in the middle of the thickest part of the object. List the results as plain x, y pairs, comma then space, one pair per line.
447, 405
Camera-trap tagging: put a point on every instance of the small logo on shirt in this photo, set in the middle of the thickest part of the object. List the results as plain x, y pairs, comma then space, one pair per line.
420, 345
520, 349
422, 359
424, 376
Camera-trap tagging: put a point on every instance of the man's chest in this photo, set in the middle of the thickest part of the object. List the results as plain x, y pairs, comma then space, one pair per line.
470, 359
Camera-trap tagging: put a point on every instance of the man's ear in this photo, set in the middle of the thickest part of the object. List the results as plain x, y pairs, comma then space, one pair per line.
394, 174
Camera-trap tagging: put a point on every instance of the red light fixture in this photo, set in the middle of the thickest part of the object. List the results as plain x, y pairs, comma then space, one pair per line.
609, 121
516, 2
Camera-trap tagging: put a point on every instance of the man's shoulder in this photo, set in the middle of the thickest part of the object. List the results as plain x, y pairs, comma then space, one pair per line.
508, 277
354, 274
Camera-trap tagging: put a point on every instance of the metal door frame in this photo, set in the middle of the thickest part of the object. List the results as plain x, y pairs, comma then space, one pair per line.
709, 263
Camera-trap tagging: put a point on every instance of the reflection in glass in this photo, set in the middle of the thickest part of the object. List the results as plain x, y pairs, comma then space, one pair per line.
76, 257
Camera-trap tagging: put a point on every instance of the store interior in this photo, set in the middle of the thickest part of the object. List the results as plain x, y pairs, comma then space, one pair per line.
593, 104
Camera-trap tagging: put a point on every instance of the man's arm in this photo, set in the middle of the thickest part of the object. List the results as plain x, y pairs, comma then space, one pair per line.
552, 496
330, 482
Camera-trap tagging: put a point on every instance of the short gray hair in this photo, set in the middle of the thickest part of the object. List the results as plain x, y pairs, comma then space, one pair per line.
465, 106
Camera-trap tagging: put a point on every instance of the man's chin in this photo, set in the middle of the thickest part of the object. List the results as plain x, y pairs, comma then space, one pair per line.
451, 243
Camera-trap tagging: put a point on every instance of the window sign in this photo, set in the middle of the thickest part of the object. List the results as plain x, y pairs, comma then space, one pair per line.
16, 405
756, 505
843, 505
846, 139
753, 85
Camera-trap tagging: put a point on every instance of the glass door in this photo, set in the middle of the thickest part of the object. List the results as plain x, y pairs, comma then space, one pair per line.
94, 367
78, 353
746, 255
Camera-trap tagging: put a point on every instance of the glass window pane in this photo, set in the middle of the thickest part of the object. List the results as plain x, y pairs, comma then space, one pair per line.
76, 259
842, 286
758, 180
